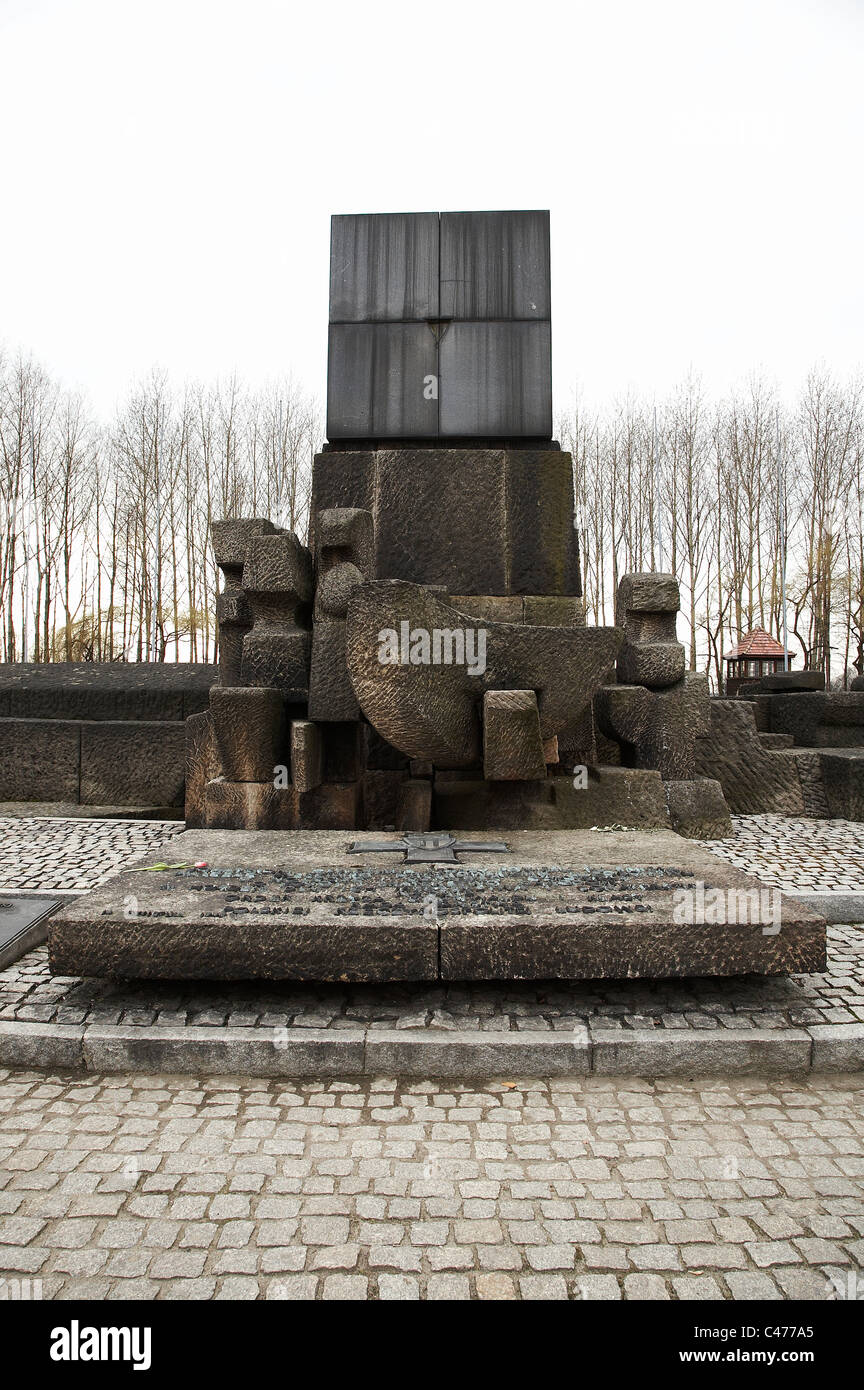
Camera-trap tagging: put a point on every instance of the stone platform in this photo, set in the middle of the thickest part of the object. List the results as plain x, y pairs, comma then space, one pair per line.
297, 906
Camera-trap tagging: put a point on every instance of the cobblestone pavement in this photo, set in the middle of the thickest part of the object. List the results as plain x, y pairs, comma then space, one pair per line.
808, 855
598, 1188
59, 855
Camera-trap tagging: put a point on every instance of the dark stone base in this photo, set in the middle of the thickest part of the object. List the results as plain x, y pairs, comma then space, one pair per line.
567, 905
698, 810
843, 780
626, 796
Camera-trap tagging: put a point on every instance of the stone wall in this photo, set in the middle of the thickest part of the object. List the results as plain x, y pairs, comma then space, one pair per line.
98, 734
755, 779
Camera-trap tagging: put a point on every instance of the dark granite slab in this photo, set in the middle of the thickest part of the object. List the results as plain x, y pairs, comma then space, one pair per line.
495, 265
383, 266
23, 924
377, 377
495, 379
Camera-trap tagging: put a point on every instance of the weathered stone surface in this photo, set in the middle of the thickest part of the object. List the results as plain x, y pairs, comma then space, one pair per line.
202, 765
261, 806
799, 714
40, 760
554, 610
698, 809
648, 593
646, 608
551, 753
414, 804
279, 660
331, 696
344, 558
375, 376
231, 536
115, 690
182, 932
124, 764
344, 748
512, 746
381, 790
608, 946
494, 608
782, 681
773, 741
578, 745
429, 710
307, 755
477, 521
277, 580
761, 705
230, 540
249, 729
332, 806
807, 763
591, 906
843, 780
842, 720
249, 806
657, 728
612, 796
541, 610
754, 779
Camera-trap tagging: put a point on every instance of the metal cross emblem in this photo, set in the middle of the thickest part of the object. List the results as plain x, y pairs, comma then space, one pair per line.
433, 847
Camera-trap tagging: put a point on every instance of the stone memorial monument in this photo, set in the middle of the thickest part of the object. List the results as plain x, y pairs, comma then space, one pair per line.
423, 668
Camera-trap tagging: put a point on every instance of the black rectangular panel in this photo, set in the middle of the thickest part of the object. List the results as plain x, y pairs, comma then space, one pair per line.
495, 380
23, 924
384, 267
382, 381
495, 265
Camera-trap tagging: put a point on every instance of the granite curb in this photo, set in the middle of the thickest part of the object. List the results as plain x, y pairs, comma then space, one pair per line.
308, 1052
833, 905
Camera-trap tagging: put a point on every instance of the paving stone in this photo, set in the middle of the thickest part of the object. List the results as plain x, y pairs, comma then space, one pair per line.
440, 1287
343, 1287
495, 1286
797, 1189
543, 1286
597, 1286
645, 1286
398, 1287
691, 1288
750, 1284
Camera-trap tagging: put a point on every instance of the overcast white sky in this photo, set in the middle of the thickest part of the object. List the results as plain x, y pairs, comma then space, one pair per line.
169, 168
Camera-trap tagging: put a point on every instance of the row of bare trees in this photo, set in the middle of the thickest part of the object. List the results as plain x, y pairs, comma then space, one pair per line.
745, 500
104, 551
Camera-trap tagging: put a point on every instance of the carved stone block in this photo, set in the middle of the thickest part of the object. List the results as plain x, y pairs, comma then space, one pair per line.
513, 750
